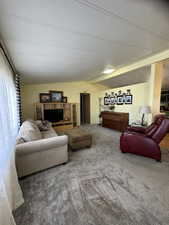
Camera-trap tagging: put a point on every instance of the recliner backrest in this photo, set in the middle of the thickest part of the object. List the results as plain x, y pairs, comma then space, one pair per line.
159, 118
150, 130
162, 130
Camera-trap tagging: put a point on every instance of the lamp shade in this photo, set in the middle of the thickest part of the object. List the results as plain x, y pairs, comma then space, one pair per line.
145, 110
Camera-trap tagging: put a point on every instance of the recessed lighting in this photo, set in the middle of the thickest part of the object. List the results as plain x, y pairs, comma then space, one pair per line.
108, 70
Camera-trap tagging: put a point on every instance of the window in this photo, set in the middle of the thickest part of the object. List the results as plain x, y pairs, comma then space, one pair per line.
10, 193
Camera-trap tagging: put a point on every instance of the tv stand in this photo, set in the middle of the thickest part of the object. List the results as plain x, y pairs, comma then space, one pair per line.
69, 117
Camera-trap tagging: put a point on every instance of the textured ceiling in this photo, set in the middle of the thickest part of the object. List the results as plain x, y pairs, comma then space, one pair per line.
61, 40
133, 77
137, 76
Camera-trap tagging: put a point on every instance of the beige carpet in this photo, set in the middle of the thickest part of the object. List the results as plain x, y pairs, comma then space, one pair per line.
98, 186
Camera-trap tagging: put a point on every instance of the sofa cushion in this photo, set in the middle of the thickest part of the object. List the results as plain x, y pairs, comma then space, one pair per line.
29, 132
43, 125
19, 140
49, 133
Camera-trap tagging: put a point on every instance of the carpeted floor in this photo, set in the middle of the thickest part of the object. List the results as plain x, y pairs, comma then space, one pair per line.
98, 186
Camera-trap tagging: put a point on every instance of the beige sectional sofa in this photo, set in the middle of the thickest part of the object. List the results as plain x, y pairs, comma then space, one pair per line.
39, 147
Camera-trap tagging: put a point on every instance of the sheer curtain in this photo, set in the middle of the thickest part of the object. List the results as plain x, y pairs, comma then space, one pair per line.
10, 192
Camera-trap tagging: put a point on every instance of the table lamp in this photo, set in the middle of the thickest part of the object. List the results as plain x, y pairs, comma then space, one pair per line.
144, 110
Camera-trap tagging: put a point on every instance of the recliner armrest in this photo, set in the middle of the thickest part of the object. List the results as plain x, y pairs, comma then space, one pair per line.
41, 145
136, 129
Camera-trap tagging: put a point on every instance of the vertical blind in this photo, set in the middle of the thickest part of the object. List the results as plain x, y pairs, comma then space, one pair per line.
18, 97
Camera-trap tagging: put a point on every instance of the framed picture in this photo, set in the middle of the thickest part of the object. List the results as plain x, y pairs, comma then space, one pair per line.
56, 96
44, 97
64, 99
115, 99
120, 100
107, 101
129, 99
112, 100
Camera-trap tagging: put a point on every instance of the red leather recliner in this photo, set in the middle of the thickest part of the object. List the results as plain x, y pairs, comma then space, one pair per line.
145, 141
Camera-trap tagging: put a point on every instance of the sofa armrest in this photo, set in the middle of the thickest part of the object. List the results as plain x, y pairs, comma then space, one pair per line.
41, 145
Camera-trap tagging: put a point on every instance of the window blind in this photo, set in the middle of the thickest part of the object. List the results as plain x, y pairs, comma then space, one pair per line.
18, 98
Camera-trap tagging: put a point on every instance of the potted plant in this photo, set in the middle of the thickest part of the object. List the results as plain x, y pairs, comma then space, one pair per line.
112, 107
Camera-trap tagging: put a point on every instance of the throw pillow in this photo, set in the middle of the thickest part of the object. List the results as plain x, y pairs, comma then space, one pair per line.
29, 132
43, 125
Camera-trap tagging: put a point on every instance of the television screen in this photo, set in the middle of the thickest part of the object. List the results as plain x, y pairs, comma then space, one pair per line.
53, 115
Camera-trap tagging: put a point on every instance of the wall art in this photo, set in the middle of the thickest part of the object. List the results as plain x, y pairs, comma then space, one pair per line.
118, 98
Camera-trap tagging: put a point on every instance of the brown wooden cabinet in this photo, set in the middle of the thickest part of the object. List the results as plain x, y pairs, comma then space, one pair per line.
115, 120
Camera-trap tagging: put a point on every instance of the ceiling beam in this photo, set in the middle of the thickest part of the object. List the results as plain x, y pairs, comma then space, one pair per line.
136, 65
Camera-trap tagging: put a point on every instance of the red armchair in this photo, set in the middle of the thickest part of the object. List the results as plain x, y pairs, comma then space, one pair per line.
145, 141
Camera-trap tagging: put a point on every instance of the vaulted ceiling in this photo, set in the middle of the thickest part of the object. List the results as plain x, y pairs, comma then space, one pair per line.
72, 40
140, 75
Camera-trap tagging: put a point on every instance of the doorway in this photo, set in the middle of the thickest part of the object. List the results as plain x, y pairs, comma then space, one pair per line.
84, 108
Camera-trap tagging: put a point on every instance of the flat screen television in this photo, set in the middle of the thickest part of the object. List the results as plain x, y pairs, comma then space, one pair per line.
53, 115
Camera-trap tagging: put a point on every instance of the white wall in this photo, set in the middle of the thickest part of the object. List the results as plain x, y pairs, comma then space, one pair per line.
140, 94
30, 95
